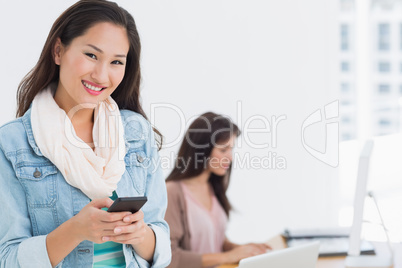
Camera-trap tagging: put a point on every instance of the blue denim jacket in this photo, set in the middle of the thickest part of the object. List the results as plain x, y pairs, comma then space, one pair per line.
35, 198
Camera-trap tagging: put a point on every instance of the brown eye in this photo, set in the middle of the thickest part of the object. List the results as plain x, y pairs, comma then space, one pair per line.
117, 62
92, 56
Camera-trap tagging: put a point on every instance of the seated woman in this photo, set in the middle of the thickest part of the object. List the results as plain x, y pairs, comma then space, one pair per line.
198, 207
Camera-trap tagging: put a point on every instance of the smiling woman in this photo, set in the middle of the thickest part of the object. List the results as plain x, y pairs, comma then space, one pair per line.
94, 61
81, 139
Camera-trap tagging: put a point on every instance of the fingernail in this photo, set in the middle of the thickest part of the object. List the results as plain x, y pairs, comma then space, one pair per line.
117, 230
128, 213
126, 219
105, 238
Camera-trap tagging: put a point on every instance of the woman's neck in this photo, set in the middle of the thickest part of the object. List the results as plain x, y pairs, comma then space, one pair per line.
82, 117
79, 114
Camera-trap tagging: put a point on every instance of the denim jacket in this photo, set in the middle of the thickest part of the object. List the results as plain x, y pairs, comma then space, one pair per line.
35, 198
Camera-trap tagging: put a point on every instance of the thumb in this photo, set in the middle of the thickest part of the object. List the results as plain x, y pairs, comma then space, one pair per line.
102, 202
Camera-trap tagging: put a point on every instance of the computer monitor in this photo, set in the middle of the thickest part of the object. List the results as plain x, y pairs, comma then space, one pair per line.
354, 258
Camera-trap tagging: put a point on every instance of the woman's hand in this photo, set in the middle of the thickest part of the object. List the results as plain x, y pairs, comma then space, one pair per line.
94, 224
137, 233
132, 232
98, 226
245, 251
262, 246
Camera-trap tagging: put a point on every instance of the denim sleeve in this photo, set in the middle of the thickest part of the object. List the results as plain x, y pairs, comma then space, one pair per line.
17, 246
154, 211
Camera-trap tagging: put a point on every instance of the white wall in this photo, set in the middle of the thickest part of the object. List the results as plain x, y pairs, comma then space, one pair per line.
271, 57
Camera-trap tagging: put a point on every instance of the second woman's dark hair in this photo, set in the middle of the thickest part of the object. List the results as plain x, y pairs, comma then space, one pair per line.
206, 132
72, 23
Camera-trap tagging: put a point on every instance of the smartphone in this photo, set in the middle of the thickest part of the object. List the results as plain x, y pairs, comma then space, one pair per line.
132, 204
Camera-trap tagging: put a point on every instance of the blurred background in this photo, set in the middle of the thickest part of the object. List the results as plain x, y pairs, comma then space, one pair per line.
268, 65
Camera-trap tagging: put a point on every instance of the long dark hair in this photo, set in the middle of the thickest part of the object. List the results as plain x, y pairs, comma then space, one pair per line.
203, 135
72, 23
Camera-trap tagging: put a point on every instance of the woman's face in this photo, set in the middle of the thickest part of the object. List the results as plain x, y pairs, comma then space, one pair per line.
221, 157
92, 66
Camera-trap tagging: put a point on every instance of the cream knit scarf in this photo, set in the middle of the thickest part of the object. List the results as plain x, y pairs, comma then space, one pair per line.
95, 172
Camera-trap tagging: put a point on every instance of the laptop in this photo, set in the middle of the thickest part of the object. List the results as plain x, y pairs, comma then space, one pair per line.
304, 256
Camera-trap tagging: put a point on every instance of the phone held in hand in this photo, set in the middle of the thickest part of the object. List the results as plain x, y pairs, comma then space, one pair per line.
132, 204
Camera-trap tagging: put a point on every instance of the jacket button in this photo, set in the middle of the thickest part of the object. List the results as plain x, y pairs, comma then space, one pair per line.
140, 159
37, 174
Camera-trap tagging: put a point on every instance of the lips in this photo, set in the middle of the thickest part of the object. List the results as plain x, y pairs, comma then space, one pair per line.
92, 88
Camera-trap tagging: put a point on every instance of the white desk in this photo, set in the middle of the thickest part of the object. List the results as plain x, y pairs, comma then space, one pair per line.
278, 242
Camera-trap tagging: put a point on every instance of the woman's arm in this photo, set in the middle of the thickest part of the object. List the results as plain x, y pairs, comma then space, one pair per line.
181, 257
146, 248
156, 246
227, 245
214, 259
91, 223
234, 255
148, 225
18, 248
61, 242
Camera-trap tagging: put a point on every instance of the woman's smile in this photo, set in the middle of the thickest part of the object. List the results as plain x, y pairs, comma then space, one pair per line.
92, 88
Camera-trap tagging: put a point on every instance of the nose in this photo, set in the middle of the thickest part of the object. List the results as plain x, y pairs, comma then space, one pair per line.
100, 73
230, 155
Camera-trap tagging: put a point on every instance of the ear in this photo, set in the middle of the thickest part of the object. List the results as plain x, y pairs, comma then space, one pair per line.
57, 51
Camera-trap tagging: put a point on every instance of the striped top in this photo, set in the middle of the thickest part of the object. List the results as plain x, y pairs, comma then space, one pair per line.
109, 254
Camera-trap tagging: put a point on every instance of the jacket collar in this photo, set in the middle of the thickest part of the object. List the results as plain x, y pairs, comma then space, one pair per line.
26, 120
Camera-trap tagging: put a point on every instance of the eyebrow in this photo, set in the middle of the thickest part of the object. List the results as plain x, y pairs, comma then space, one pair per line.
100, 51
225, 145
